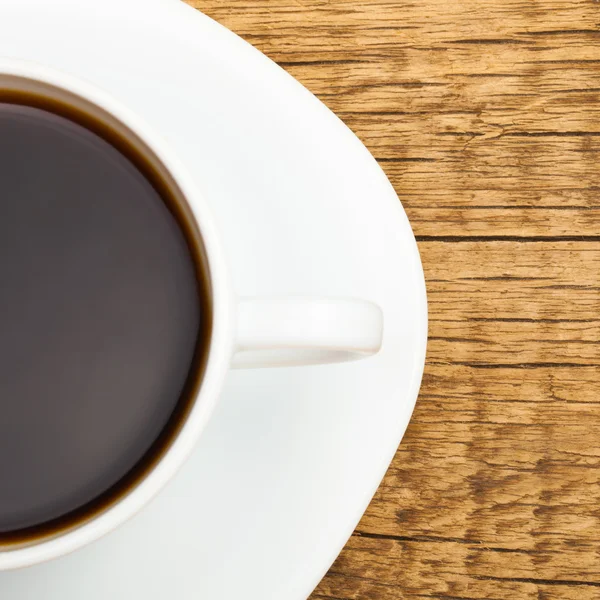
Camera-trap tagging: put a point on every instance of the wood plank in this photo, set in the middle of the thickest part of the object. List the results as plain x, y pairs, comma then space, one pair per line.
277, 26
524, 222
508, 343
530, 284
378, 568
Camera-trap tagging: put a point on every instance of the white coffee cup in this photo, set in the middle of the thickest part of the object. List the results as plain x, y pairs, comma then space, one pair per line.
246, 332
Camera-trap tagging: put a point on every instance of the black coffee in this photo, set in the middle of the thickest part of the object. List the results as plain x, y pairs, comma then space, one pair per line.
104, 318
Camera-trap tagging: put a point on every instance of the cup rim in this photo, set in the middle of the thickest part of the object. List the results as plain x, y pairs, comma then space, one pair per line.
221, 345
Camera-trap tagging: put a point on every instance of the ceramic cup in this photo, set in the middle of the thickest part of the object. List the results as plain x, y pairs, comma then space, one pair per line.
246, 332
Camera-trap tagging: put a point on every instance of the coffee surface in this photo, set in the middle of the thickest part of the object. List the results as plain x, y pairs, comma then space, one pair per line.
99, 316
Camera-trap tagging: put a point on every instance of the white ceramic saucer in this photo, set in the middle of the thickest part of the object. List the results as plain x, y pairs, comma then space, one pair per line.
292, 457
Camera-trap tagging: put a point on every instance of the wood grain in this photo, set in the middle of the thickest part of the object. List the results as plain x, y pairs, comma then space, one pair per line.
485, 116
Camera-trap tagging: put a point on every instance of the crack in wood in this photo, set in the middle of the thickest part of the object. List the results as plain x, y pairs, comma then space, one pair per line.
507, 238
539, 581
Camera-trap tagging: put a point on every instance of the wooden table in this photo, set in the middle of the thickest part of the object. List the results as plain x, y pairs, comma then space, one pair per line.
485, 116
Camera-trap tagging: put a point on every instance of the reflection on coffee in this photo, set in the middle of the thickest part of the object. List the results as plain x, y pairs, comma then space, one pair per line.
104, 317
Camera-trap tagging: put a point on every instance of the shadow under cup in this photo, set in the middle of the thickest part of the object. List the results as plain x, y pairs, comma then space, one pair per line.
106, 311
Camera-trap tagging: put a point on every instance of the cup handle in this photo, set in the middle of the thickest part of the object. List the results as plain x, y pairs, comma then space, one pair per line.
283, 332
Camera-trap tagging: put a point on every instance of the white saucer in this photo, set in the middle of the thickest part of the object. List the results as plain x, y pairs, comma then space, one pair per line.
292, 457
